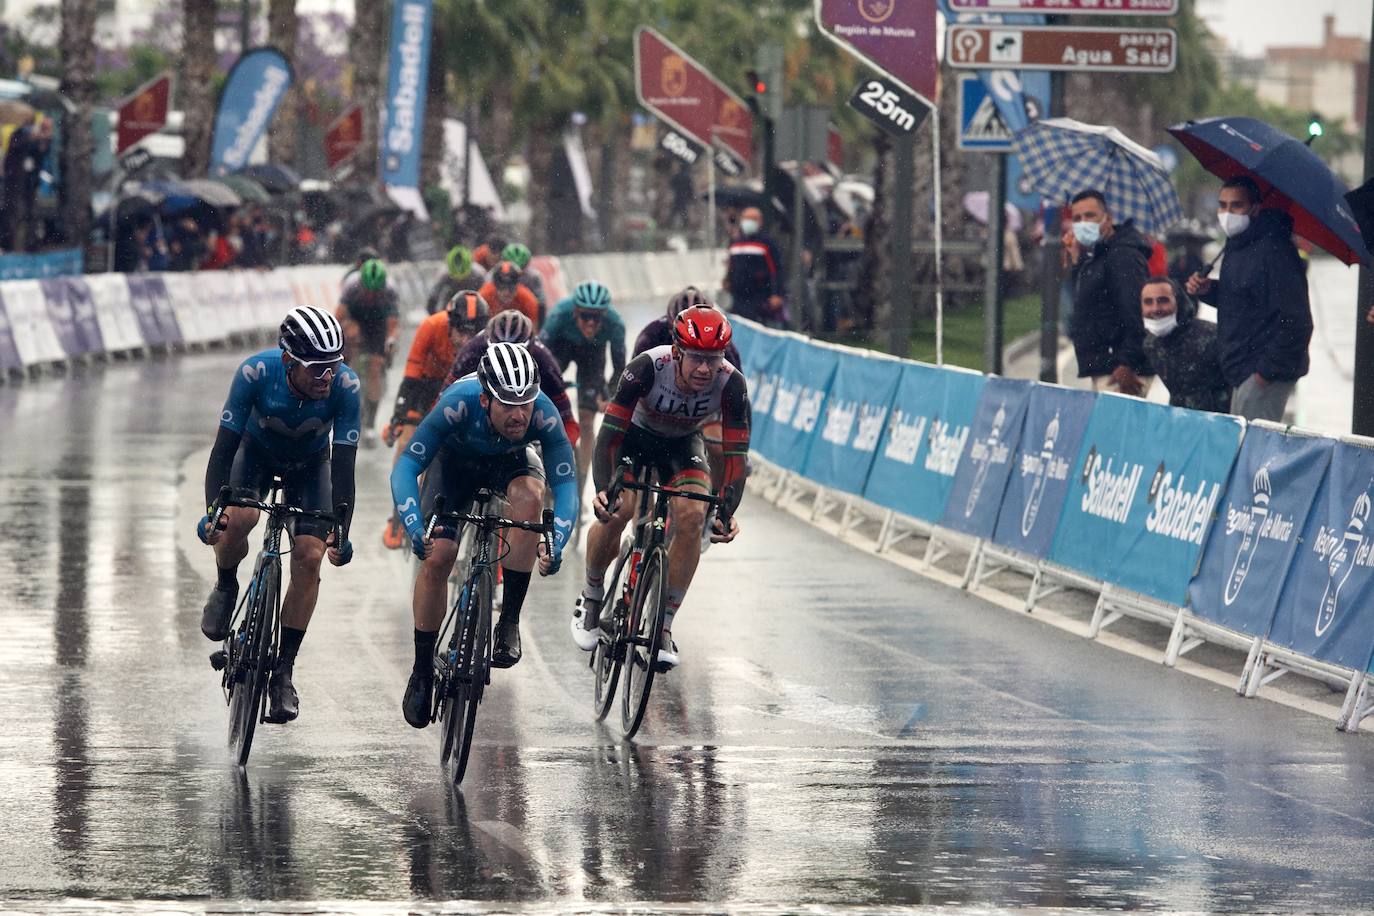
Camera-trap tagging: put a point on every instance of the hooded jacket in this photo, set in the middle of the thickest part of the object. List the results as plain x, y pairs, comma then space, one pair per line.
1105, 328
1264, 318
1187, 362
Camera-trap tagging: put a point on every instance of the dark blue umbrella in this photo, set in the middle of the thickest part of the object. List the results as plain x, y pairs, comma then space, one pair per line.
276, 178
1290, 177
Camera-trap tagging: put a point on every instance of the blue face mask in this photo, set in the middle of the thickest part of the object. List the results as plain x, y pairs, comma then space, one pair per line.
1087, 233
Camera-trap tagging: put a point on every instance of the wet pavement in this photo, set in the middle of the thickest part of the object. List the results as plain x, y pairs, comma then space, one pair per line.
842, 732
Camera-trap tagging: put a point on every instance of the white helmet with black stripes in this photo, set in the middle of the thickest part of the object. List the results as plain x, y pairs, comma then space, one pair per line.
508, 373
311, 334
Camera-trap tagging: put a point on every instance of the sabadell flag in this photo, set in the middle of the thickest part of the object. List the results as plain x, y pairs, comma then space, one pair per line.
250, 98
411, 22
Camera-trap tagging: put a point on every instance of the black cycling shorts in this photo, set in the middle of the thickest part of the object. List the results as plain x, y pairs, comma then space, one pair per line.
458, 479
372, 337
305, 484
591, 370
675, 460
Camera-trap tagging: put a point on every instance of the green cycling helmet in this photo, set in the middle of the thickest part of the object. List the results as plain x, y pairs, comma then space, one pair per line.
459, 262
373, 275
517, 254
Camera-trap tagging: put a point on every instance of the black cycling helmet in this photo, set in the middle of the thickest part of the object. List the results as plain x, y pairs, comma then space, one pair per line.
311, 334
505, 276
467, 311
689, 297
367, 253
510, 326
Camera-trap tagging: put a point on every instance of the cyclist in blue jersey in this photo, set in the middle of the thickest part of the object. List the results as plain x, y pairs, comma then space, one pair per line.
579, 330
284, 407
481, 433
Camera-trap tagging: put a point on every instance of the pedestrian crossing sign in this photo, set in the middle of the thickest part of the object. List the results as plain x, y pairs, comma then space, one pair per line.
981, 128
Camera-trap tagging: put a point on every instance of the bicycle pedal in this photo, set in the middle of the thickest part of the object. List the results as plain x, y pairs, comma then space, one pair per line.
218, 659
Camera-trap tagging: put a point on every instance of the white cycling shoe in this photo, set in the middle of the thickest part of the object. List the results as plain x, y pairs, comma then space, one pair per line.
587, 610
667, 654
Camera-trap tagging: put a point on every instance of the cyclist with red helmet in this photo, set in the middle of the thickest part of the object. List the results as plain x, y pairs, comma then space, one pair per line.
665, 396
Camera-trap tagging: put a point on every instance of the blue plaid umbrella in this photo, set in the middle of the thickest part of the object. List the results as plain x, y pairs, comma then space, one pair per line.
1062, 157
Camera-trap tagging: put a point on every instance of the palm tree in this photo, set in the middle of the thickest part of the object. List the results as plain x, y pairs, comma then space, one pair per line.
194, 87
366, 53
282, 25
77, 46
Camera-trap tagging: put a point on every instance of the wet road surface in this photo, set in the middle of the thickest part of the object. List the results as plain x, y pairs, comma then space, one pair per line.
842, 732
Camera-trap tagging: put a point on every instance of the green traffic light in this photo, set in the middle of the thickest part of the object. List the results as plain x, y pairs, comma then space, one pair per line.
1314, 128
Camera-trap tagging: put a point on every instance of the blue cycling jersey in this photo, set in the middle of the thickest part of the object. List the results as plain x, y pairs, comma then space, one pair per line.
459, 423
262, 406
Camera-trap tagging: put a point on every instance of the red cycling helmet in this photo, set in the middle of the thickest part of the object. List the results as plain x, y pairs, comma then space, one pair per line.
701, 327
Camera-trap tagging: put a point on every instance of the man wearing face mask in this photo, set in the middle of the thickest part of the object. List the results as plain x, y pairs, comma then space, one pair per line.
754, 275
1182, 348
1264, 317
1110, 263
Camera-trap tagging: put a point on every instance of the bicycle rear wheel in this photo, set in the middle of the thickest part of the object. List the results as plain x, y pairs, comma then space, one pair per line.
606, 657
471, 675
250, 686
646, 632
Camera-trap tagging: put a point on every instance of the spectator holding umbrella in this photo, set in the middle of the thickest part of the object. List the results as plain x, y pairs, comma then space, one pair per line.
1182, 348
1264, 316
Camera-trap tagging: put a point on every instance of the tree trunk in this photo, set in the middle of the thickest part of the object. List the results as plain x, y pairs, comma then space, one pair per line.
194, 90
542, 152
496, 135
436, 109
366, 52
283, 138
77, 45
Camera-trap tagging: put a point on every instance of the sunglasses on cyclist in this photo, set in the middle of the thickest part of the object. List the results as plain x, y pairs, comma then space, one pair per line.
699, 358
320, 369
593, 317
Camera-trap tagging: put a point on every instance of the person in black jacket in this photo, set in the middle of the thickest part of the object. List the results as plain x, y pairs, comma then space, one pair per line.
755, 273
1182, 347
1264, 316
1110, 264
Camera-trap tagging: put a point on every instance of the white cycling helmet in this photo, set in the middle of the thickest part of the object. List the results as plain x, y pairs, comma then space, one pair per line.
311, 334
508, 373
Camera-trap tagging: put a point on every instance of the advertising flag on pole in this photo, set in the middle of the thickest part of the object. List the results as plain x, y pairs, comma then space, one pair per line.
343, 137
408, 75
253, 90
144, 112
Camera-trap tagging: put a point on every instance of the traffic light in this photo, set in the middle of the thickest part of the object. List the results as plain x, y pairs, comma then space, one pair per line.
1315, 127
757, 96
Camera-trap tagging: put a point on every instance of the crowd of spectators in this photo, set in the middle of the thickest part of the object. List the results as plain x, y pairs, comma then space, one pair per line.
244, 239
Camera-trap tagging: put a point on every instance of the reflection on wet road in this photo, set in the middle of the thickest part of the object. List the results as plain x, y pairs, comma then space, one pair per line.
841, 731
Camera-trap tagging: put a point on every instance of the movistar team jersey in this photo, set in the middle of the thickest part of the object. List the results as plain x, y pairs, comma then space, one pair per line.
459, 423
262, 407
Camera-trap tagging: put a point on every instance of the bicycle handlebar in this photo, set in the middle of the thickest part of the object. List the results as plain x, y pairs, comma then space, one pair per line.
338, 518
544, 526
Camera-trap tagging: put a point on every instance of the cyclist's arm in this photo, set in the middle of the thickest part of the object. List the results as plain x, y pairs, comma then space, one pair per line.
734, 419
635, 383
465, 363
405, 476
232, 420
561, 468
347, 426
418, 387
221, 462
341, 477
617, 328
551, 383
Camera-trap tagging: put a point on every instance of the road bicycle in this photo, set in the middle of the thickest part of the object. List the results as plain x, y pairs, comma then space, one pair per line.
250, 651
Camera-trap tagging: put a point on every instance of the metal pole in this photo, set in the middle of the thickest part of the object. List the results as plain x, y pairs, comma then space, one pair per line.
901, 294
992, 301
1051, 273
711, 195
1362, 418
939, 245
797, 271
243, 27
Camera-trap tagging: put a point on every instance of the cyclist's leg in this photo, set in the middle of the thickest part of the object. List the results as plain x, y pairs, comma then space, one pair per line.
688, 461
588, 407
451, 479
715, 452
308, 487
245, 479
520, 474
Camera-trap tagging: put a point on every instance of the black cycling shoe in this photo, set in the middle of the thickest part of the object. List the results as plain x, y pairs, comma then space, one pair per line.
283, 704
505, 651
418, 702
219, 610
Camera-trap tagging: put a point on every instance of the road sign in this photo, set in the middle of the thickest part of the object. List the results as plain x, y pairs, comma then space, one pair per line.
144, 112
343, 136
1069, 7
135, 159
895, 37
727, 163
680, 147
684, 95
888, 105
977, 47
981, 128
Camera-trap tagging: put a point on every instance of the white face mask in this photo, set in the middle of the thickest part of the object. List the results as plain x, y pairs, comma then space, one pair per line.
749, 226
1233, 224
1162, 327
1086, 233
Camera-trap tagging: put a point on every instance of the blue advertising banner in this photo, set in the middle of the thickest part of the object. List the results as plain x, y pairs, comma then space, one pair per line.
153, 308
64, 263
919, 451
762, 352
252, 91
1056, 419
976, 494
9, 353
408, 75
1272, 491
72, 315
1142, 496
860, 397
803, 381
1324, 611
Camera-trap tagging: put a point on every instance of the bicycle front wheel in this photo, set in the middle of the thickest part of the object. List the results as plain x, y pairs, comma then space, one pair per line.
250, 682
608, 653
645, 634
471, 673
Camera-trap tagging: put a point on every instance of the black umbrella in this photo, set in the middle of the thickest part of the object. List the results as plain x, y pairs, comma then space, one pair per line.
1361, 202
277, 179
